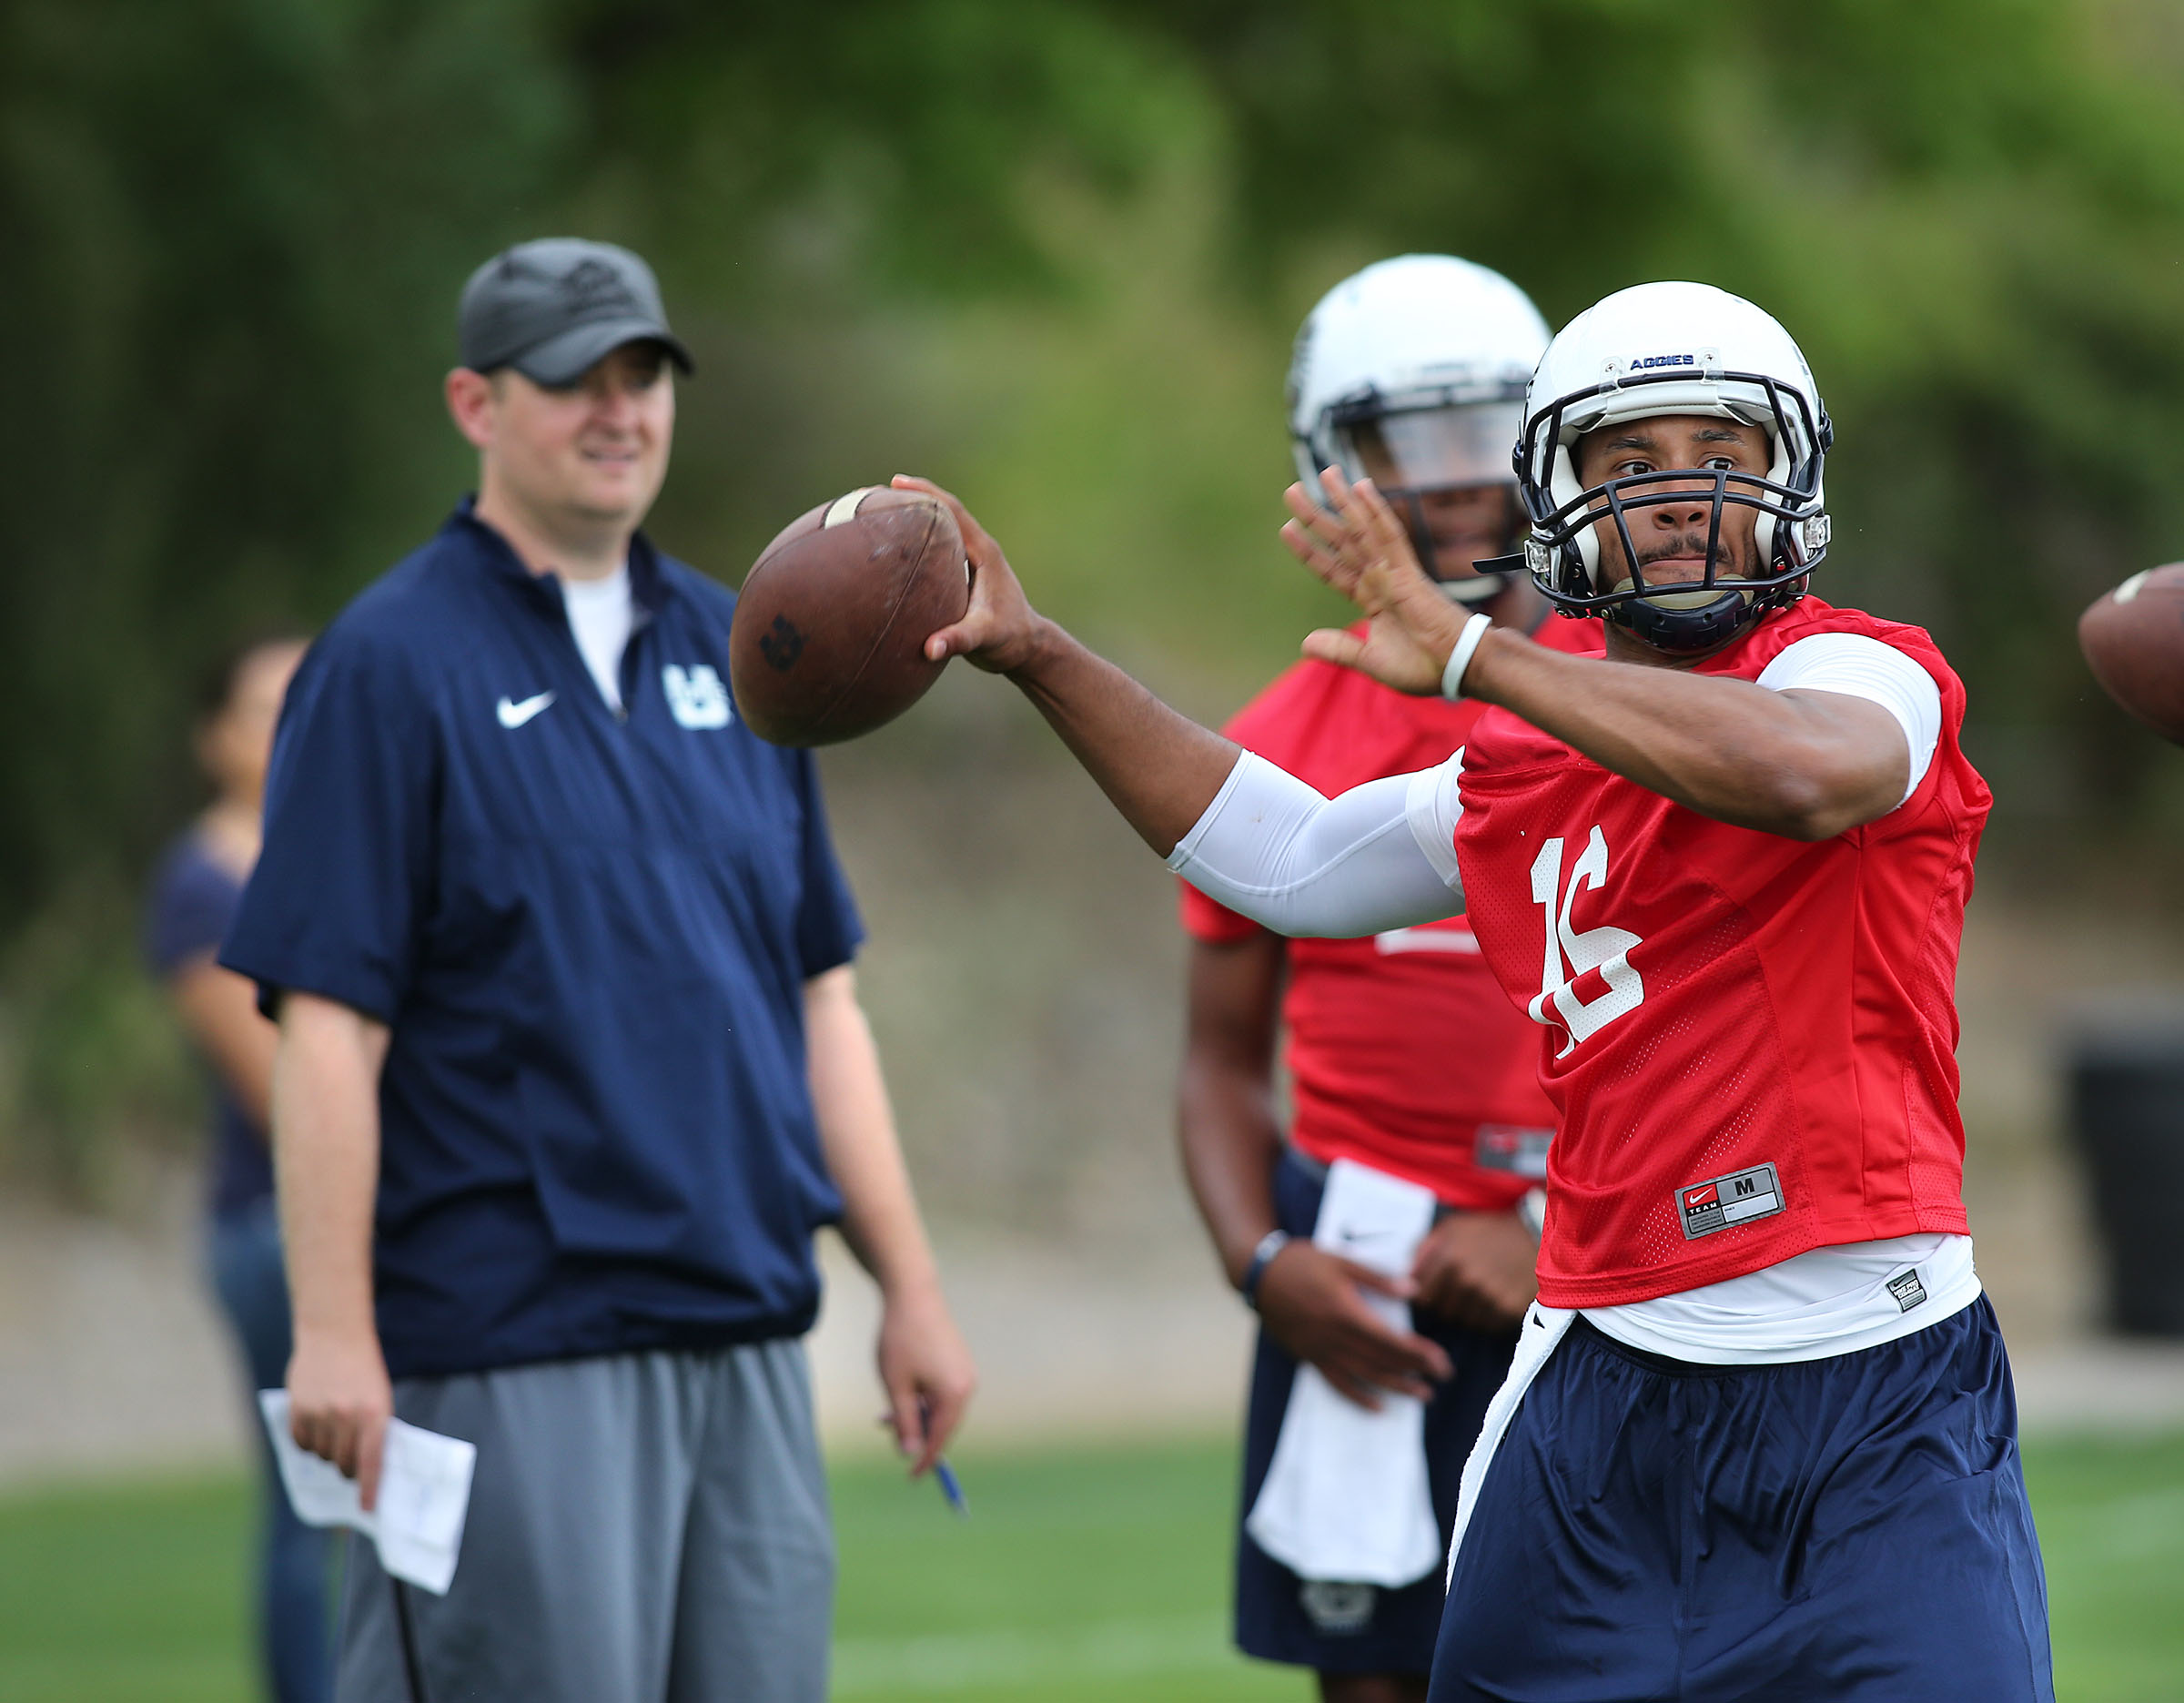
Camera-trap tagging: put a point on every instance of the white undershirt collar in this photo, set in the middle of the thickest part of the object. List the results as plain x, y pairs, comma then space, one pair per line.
602, 614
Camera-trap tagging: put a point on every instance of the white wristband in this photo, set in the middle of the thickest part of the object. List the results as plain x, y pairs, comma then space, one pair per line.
1459, 659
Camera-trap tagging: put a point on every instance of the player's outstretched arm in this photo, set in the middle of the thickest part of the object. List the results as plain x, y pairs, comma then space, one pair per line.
1160, 769
1806, 765
1240, 830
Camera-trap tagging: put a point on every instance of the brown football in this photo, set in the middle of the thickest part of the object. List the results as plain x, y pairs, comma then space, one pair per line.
2134, 641
828, 641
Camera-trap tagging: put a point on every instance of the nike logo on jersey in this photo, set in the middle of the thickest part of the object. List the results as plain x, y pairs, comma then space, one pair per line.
1723, 1202
514, 714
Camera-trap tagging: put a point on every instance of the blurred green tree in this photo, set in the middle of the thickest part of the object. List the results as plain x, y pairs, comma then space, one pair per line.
1971, 212
230, 229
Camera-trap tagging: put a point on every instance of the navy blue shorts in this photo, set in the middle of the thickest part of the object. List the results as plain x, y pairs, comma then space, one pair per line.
1354, 1628
1854, 1527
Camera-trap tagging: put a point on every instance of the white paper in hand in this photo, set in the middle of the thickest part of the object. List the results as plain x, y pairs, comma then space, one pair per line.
424, 1495
1346, 1496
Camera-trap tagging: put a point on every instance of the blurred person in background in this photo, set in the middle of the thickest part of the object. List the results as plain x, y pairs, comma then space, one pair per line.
571, 1065
193, 898
1404, 1054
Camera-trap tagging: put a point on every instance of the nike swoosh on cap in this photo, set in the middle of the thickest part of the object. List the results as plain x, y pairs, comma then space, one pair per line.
514, 714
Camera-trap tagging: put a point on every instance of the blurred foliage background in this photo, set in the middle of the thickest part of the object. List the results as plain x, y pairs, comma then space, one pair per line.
1053, 252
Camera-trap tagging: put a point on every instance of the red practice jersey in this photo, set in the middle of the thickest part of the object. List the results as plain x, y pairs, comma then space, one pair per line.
1751, 1041
1403, 1052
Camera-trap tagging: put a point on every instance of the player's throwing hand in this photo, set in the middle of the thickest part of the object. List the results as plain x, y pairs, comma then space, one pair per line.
998, 631
1356, 543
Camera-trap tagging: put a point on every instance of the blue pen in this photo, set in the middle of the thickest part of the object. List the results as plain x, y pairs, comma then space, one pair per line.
951, 1488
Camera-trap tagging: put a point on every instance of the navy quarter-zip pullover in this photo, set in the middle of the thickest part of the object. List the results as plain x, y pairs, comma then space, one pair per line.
588, 934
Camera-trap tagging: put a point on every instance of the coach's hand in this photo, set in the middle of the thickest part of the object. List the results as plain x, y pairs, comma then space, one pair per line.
1356, 543
1478, 1270
1308, 1300
926, 1367
339, 1401
1000, 631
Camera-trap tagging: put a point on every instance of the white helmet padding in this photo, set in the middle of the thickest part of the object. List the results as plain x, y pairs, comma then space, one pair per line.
1660, 349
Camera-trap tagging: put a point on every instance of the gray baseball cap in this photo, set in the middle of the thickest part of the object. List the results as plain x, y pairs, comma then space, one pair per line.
550, 308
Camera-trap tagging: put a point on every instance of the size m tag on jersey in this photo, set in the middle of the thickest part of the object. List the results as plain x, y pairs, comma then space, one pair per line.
1737, 1199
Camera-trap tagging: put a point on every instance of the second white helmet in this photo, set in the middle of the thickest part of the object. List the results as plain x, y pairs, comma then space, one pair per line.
1412, 372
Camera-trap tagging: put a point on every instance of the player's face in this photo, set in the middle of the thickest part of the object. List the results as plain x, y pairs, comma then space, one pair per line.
1451, 463
1468, 526
1671, 537
595, 449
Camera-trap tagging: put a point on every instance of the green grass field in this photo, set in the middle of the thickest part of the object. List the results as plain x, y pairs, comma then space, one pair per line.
1085, 1575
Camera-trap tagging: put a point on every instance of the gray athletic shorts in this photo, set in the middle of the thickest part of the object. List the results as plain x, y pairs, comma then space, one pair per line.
644, 1528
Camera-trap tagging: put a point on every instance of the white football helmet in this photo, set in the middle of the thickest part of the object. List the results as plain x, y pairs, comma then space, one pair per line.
1673, 349
1412, 372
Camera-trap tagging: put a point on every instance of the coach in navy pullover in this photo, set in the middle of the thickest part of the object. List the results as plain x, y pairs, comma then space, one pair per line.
571, 1066
587, 931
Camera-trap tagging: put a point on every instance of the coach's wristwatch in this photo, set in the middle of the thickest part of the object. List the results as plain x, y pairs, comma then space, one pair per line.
1262, 1256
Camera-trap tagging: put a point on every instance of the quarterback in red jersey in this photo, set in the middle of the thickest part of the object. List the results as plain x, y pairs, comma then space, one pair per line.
1759, 1438
1404, 1056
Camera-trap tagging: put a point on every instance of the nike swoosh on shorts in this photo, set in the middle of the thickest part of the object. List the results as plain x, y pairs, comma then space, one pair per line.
514, 714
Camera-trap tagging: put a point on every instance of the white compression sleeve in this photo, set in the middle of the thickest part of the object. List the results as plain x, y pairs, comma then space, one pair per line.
1274, 849
1860, 667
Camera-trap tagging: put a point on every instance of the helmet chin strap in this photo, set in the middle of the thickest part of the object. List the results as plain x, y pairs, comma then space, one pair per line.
1484, 589
1681, 619
1680, 631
